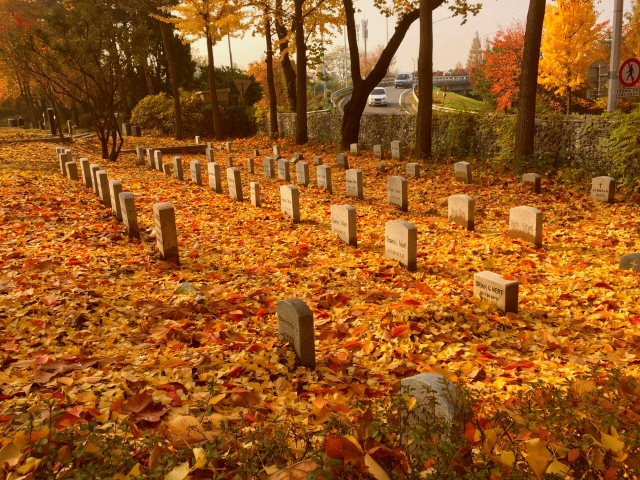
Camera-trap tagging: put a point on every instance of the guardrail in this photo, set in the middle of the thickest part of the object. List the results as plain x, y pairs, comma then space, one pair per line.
338, 94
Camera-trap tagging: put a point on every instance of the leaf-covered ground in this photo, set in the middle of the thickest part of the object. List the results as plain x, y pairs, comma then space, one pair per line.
87, 312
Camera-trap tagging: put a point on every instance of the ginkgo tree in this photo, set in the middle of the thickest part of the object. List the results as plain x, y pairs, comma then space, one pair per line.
572, 37
211, 20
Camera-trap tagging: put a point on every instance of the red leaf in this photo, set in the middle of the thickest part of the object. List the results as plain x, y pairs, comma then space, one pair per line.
333, 447
610, 474
470, 432
604, 285
573, 454
254, 348
352, 344
634, 320
235, 372
482, 348
399, 330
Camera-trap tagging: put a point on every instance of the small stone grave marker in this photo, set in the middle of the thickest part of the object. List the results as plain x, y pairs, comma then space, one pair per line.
462, 211
381, 167
354, 183
295, 325
166, 168
254, 188
495, 289
86, 172
283, 170
177, 168
235, 184
343, 161
630, 261
126, 130
534, 180
150, 158
72, 170
157, 154
377, 152
115, 189
228, 146
413, 170
354, 148
215, 181
94, 180
396, 150
343, 223
209, 154
526, 223
463, 172
302, 173
401, 243
250, 166
135, 131
323, 177
129, 217
276, 150
140, 155
229, 161
196, 172
70, 128
269, 169
317, 161
103, 188
398, 192
603, 189
290, 202
256, 152
296, 157
197, 140
166, 234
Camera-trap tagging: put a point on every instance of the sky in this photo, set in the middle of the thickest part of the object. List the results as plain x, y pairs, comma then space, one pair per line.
451, 41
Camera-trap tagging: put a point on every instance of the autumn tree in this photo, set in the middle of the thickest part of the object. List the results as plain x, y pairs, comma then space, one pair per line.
571, 37
475, 54
525, 123
503, 64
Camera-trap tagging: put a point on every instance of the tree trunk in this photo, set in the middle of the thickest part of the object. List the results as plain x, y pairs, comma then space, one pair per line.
526, 121
164, 29
301, 75
147, 77
425, 83
273, 101
285, 60
569, 101
217, 118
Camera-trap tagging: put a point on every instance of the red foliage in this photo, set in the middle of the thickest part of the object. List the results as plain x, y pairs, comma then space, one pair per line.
502, 67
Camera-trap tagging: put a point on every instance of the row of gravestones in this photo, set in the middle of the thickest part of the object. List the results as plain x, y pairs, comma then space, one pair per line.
129, 130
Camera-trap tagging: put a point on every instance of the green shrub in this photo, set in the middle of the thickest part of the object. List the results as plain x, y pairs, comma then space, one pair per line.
453, 134
624, 148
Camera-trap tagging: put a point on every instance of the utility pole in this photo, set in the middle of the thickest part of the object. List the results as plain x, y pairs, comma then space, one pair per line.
365, 35
616, 40
324, 74
230, 57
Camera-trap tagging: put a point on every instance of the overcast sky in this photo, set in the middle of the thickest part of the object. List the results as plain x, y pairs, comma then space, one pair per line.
451, 41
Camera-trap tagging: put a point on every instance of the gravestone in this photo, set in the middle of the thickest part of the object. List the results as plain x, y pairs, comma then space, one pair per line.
413, 170
115, 189
630, 261
296, 157
126, 129
85, 166
534, 180
140, 155
493, 288
295, 325
129, 217
228, 146
197, 140
94, 180
381, 167
210, 145
136, 131
398, 192
603, 189
343, 161
462, 211
69, 127
290, 202
52, 121
302, 173
269, 169
354, 149
72, 170
103, 188
354, 183
177, 168
209, 154
235, 184
343, 223
463, 172
196, 172
256, 152
157, 154
229, 161
150, 159
254, 188
166, 234
215, 181
283, 170
317, 161
401, 243
323, 177
250, 166
526, 223
276, 151
396, 150
166, 168
378, 152
65, 157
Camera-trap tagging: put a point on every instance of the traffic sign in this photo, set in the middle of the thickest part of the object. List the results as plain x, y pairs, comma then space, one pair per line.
629, 73
242, 84
598, 74
628, 92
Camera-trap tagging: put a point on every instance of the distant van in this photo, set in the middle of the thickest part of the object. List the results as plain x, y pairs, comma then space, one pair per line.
404, 80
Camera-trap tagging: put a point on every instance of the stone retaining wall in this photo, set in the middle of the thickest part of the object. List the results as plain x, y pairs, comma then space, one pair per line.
580, 139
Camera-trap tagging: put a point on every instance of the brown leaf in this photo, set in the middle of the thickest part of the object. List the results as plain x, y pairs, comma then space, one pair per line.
297, 471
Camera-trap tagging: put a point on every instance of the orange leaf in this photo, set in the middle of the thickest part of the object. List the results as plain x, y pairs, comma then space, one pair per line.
352, 344
399, 330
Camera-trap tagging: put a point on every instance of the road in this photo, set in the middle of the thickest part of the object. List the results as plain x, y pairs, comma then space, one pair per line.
394, 96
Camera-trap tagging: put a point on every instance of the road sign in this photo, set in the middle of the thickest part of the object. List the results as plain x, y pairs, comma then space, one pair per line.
242, 85
629, 73
628, 92
598, 74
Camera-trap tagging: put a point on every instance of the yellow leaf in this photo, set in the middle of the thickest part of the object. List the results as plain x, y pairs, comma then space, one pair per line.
375, 470
217, 398
583, 386
611, 442
180, 472
199, 456
271, 469
538, 447
411, 402
354, 441
538, 464
29, 466
507, 457
9, 455
558, 468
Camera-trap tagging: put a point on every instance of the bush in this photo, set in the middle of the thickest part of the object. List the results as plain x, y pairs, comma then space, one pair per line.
624, 148
156, 113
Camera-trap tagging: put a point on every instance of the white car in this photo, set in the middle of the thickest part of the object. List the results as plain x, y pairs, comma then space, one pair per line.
378, 96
